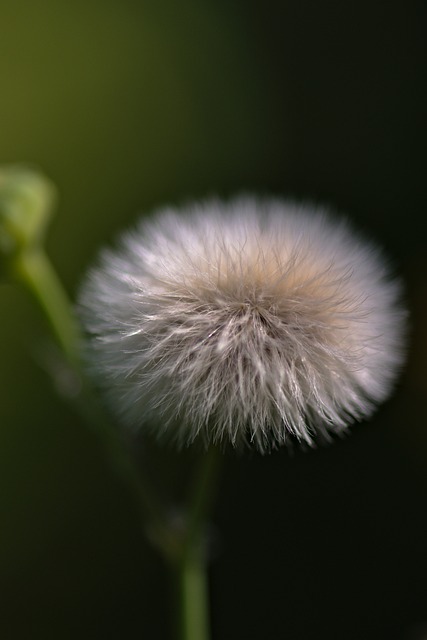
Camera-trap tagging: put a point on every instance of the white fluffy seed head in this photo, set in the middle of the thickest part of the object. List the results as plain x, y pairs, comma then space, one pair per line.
248, 321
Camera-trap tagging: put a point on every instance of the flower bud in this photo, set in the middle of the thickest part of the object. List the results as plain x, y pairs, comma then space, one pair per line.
26, 203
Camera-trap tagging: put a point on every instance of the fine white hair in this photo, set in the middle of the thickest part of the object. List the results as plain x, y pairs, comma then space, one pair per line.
251, 321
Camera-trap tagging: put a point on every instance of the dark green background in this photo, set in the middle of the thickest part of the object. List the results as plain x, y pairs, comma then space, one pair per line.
128, 105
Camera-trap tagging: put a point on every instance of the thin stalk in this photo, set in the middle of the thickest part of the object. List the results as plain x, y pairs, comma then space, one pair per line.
34, 270
192, 565
193, 597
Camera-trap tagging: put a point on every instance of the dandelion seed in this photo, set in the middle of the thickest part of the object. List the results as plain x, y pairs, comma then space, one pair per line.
255, 321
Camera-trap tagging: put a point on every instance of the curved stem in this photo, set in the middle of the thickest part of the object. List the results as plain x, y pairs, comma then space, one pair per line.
34, 270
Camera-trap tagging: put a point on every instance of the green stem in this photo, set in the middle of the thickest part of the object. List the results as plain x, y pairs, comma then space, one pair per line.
191, 569
34, 270
193, 598
203, 494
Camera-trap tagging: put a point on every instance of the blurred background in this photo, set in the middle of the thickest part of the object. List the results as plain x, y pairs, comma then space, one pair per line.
129, 105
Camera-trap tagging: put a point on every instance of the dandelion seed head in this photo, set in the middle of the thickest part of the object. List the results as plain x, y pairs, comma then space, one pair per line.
252, 321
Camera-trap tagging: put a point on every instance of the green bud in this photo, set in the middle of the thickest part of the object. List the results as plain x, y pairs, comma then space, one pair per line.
26, 203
